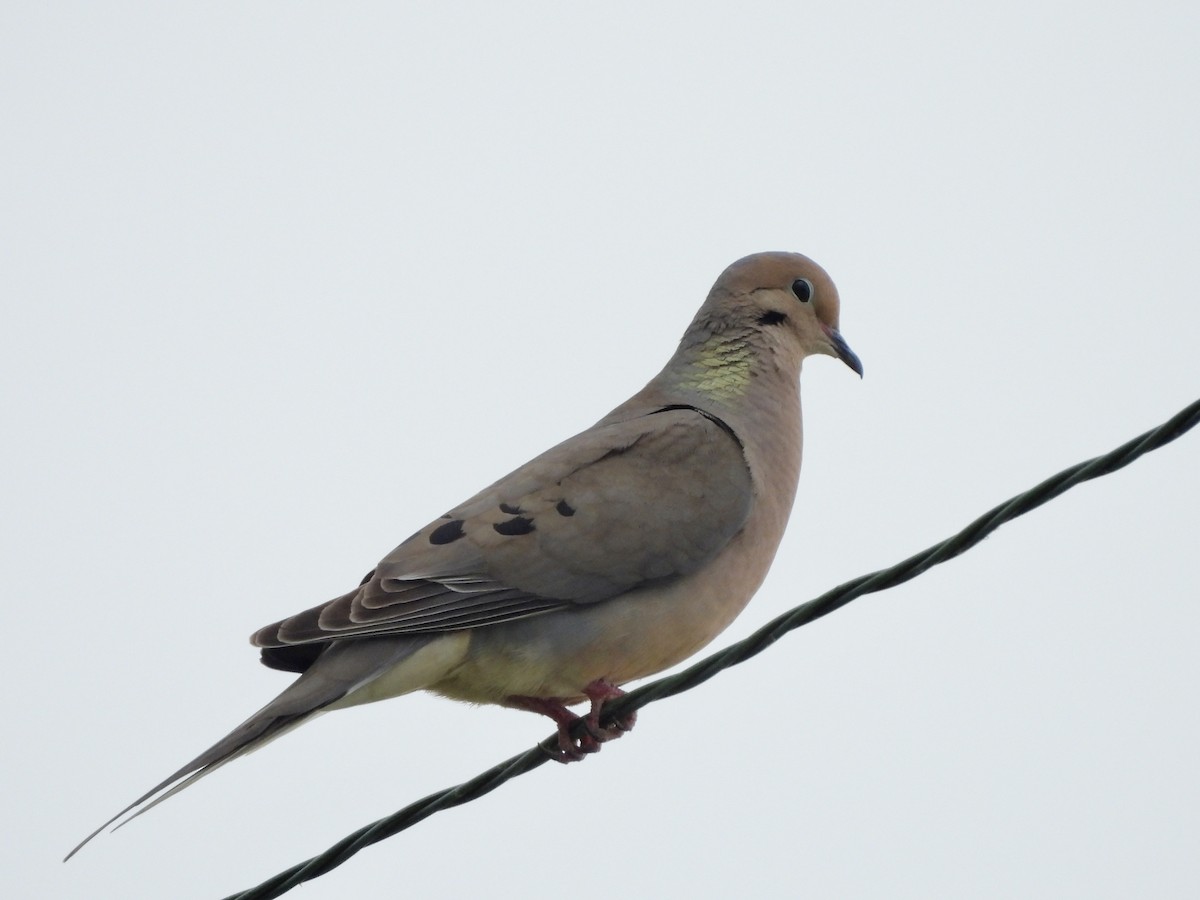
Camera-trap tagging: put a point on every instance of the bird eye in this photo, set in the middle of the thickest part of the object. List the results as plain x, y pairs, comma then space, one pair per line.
803, 289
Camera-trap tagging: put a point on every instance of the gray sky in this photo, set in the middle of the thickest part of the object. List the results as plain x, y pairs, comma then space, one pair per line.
284, 282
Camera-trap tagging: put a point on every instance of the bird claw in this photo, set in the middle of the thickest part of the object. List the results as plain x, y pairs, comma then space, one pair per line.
621, 725
618, 727
569, 748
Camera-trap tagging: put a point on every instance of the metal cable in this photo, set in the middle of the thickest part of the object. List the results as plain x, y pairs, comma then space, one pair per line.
697, 674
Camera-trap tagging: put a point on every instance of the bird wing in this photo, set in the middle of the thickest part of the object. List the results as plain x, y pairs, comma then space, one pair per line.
618, 506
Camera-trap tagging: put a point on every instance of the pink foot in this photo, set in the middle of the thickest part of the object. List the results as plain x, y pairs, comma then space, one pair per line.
571, 749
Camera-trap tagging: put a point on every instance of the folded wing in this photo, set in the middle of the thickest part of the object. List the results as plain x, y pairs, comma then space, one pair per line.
618, 506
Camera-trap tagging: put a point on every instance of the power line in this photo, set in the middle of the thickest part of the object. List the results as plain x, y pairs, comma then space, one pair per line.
697, 674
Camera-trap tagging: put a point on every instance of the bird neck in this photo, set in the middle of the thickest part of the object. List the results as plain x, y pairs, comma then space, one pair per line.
753, 385
724, 363
717, 368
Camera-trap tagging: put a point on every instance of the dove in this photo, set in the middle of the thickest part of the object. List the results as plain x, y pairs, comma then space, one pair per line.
610, 557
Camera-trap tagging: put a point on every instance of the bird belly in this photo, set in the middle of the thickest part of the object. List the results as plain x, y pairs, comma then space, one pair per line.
618, 640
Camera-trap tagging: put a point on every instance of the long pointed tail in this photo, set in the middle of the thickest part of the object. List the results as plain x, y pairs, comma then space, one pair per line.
341, 669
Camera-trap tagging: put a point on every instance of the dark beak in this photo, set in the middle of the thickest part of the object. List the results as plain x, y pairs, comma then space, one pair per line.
843, 352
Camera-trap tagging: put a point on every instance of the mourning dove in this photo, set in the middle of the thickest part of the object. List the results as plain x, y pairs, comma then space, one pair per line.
612, 556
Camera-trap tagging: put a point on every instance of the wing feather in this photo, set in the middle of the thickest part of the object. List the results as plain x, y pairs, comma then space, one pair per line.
617, 506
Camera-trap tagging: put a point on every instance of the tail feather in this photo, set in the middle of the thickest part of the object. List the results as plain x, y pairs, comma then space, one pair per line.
341, 669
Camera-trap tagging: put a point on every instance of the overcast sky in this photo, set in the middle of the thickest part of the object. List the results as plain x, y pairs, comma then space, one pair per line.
282, 282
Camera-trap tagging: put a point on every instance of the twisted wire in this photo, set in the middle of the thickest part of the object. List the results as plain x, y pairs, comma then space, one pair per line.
708, 667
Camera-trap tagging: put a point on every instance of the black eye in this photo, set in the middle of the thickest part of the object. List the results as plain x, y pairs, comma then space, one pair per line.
803, 289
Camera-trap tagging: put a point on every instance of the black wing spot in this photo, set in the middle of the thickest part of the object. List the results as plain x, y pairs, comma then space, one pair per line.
510, 510
515, 526
367, 578
772, 317
564, 508
448, 533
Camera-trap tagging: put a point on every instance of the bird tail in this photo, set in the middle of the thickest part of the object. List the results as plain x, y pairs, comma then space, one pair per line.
341, 669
